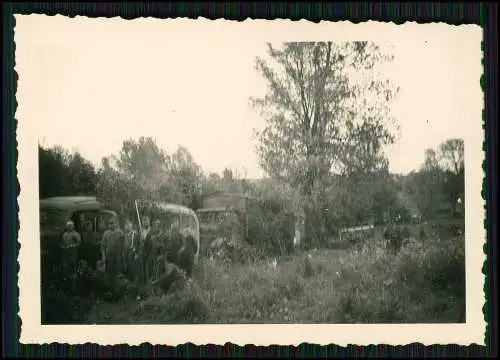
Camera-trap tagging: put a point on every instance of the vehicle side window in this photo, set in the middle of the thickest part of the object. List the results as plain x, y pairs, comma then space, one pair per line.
171, 220
207, 217
102, 222
50, 218
184, 221
192, 223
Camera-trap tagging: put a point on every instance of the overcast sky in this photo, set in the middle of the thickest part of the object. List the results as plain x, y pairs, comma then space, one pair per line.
93, 84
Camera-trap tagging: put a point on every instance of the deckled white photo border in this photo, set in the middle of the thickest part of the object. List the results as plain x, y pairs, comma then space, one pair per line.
473, 331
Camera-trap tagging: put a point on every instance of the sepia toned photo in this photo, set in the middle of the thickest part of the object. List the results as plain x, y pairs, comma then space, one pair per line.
189, 172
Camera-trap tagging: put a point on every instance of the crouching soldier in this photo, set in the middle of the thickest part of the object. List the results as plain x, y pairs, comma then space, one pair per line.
100, 284
83, 279
171, 280
88, 282
112, 249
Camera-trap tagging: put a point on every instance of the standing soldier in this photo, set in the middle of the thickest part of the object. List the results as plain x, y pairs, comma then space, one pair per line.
156, 249
82, 223
87, 234
112, 249
131, 251
71, 241
185, 253
144, 249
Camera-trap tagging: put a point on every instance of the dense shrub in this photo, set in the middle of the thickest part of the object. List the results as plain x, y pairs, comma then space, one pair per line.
270, 228
185, 306
231, 252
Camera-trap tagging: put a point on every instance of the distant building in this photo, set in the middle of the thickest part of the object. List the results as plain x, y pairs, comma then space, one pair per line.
226, 200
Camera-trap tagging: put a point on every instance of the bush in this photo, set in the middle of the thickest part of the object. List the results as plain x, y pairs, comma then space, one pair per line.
232, 252
270, 228
187, 305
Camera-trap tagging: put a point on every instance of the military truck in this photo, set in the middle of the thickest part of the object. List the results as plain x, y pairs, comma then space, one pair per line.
89, 215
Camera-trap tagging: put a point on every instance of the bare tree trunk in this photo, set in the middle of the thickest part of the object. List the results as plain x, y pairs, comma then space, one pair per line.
307, 188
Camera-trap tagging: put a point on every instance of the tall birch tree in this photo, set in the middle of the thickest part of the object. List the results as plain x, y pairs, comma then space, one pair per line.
325, 110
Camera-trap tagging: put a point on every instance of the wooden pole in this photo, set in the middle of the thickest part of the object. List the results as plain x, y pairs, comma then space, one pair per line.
139, 219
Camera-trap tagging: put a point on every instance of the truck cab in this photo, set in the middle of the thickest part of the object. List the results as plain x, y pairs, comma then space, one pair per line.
87, 213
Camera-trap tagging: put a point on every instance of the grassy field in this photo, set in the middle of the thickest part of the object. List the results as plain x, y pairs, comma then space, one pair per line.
423, 282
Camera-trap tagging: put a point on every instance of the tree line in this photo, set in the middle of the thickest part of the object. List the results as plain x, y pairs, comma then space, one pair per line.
438, 187
142, 170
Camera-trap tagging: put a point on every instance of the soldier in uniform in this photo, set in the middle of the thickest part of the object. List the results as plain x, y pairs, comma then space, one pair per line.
70, 244
112, 246
131, 251
150, 251
144, 249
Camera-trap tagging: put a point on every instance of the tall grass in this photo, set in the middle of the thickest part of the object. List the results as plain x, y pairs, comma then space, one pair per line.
423, 282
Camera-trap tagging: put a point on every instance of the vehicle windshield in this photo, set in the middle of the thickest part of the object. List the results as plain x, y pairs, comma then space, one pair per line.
214, 217
53, 218
166, 219
169, 219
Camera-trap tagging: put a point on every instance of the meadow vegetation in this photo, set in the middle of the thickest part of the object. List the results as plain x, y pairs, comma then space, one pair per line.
423, 282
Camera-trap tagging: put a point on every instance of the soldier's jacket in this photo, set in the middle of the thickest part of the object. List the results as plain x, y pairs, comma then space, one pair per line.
113, 242
132, 242
147, 245
70, 239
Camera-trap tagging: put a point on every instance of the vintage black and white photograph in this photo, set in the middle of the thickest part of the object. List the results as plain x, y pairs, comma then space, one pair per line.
223, 176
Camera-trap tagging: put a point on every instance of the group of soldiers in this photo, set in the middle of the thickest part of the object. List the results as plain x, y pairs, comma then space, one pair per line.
140, 256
